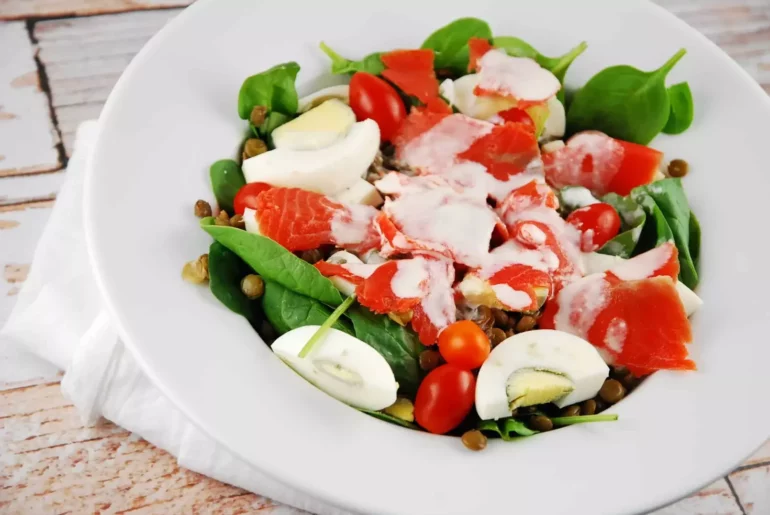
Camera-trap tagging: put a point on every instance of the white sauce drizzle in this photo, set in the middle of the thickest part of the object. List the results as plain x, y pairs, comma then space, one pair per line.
411, 278
616, 335
577, 196
519, 77
513, 299
642, 266
352, 225
579, 304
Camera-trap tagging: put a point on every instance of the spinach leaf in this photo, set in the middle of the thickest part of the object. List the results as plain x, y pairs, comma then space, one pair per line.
450, 43
670, 198
398, 345
274, 263
682, 110
623, 102
226, 180
225, 273
273, 88
389, 418
694, 240
556, 65
656, 230
287, 310
506, 428
370, 64
632, 218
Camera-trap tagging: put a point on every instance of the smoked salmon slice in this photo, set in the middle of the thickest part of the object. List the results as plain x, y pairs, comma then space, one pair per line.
507, 150
640, 324
412, 71
515, 287
602, 164
304, 220
517, 78
477, 47
660, 261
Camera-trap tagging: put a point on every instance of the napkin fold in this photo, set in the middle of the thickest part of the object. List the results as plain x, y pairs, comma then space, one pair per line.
59, 322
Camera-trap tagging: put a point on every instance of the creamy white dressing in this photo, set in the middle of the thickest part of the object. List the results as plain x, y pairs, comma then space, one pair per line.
514, 299
642, 266
580, 303
411, 278
444, 220
533, 234
518, 77
352, 224
439, 304
606, 155
577, 197
615, 337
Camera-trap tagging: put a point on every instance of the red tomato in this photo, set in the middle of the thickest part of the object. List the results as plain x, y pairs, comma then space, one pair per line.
373, 98
445, 398
464, 344
247, 196
599, 223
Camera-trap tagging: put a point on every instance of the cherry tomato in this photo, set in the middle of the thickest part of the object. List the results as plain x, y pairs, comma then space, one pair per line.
444, 398
464, 344
247, 196
598, 223
371, 97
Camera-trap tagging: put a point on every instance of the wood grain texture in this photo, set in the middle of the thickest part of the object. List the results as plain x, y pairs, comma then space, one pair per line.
84, 57
27, 138
21, 9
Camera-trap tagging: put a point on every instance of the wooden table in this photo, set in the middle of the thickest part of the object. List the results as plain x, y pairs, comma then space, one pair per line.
58, 61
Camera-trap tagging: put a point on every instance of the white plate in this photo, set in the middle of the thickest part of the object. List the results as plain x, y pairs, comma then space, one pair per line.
174, 112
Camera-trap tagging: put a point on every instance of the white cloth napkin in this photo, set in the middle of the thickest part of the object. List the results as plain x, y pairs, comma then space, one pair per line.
59, 317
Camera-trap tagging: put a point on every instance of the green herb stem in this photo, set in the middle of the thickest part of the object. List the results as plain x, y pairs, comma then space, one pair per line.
568, 421
321, 332
566, 59
334, 56
669, 65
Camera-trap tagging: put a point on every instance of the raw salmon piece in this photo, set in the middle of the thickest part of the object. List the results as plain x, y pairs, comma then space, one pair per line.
639, 324
507, 150
354, 273
412, 71
644, 326
602, 164
477, 47
660, 261
304, 220
377, 291
531, 195
416, 124
437, 309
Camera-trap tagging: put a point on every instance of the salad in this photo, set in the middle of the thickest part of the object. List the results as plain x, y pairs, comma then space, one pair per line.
453, 242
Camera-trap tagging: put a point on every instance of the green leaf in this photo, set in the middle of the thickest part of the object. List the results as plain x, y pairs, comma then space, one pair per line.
273, 88
506, 428
398, 345
623, 102
656, 230
226, 180
694, 240
370, 64
682, 110
556, 65
670, 198
274, 263
287, 310
450, 43
226, 270
389, 418
632, 218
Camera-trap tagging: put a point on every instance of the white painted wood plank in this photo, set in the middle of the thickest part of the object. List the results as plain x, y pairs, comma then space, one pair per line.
715, 499
19, 9
27, 139
84, 57
26, 188
753, 489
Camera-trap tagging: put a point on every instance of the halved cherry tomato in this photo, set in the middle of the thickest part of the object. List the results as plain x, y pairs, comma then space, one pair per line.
464, 344
247, 196
598, 223
444, 398
373, 98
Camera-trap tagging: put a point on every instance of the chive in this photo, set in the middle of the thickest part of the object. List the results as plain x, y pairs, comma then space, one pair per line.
580, 419
321, 332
